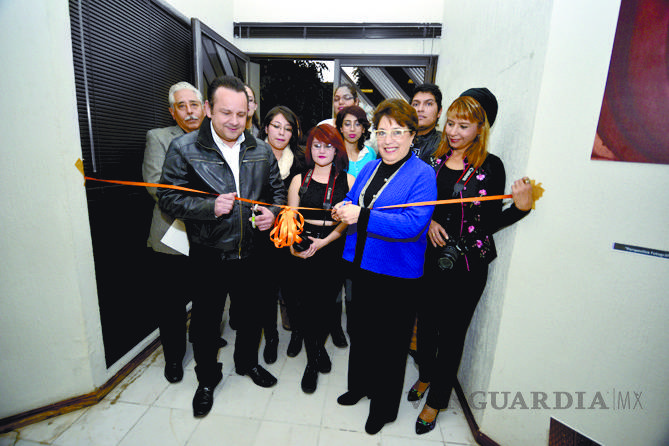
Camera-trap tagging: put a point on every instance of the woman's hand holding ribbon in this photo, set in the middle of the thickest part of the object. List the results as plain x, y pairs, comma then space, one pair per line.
522, 194
346, 212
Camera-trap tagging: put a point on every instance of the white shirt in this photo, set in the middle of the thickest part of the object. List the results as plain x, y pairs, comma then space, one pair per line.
230, 154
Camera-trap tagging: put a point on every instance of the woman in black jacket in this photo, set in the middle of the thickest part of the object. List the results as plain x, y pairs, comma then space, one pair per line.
461, 245
281, 130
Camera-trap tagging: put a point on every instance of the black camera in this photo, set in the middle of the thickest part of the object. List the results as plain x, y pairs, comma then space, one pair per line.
304, 244
449, 254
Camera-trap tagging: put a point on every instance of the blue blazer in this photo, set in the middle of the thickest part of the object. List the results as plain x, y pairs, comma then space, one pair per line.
396, 238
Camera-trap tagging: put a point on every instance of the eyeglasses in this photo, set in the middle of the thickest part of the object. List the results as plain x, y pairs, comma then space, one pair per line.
321, 146
393, 133
346, 97
278, 127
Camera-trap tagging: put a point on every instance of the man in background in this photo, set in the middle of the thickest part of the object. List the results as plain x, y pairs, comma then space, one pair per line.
170, 296
427, 102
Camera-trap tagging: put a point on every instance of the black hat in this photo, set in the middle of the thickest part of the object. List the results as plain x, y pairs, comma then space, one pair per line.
487, 101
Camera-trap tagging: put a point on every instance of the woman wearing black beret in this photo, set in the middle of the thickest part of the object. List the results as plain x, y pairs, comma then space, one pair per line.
460, 245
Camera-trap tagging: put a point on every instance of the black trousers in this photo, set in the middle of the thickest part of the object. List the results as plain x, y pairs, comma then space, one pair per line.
170, 294
380, 330
280, 277
213, 280
264, 248
447, 303
320, 281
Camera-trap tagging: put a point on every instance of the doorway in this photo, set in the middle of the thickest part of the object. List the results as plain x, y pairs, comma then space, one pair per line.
306, 85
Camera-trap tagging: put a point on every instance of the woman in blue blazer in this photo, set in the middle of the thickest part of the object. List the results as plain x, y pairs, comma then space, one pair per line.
386, 248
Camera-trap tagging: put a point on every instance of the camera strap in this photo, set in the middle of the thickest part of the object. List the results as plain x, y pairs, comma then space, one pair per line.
467, 175
327, 198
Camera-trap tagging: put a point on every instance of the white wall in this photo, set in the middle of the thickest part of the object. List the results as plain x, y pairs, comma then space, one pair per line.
500, 46
50, 342
216, 14
571, 315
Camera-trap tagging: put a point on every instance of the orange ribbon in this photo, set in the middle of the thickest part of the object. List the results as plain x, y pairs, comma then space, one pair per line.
287, 228
289, 223
139, 183
449, 201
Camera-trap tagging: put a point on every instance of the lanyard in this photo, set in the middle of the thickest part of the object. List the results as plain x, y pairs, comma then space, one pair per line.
327, 198
467, 174
463, 180
386, 181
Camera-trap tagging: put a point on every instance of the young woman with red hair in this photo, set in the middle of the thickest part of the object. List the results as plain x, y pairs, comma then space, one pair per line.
323, 184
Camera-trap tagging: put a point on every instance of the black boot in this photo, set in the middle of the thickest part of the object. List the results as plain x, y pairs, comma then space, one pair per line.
310, 379
323, 361
271, 346
350, 398
295, 344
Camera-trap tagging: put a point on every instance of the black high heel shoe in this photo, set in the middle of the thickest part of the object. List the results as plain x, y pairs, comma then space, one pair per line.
423, 427
415, 394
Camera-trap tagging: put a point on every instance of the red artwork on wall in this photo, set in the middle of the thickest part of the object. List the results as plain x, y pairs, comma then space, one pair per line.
634, 119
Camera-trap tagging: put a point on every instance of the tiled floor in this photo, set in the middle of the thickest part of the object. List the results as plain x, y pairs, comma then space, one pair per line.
146, 410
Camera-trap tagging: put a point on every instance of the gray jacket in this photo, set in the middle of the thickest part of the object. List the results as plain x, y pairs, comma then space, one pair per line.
157, 143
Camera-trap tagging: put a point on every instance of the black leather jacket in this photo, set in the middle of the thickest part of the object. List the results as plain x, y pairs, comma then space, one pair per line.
424, 146
194, 161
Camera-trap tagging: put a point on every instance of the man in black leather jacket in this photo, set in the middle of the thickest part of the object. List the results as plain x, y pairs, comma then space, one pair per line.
426, 100
223, 159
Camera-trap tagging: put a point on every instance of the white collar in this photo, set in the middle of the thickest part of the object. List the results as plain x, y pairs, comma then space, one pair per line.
222, 144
